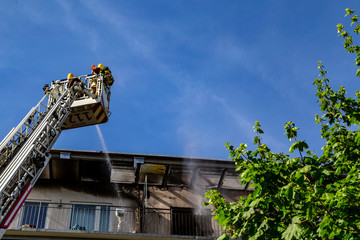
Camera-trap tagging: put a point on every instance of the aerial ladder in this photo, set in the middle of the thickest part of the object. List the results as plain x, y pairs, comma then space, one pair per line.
24, 152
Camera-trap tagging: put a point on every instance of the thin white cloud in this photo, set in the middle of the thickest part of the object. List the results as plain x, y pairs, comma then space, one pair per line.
241, 122
194, 96
33, 14
71, 20
259, 59
109, 17
245, 127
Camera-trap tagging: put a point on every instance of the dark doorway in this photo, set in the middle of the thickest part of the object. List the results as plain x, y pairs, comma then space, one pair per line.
191, 222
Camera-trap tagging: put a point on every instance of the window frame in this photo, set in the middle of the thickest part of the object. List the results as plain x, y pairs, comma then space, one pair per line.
39, 206
97, 215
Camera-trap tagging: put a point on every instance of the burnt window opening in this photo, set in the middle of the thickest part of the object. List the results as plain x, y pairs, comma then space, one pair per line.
191, 222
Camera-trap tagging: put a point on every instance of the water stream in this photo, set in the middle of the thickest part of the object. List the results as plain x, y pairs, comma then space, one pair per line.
108, 160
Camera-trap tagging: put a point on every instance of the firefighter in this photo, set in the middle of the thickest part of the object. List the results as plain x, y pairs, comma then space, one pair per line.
108, 76
95, 70
101, 66
98, 69
71, 80
108, 81
92, 85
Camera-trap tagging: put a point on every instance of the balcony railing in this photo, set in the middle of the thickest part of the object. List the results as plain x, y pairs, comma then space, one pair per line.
106, 218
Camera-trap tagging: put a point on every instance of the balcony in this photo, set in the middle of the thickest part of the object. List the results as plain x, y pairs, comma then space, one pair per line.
44, 220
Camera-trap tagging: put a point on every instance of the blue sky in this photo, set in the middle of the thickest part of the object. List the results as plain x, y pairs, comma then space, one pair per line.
189, 75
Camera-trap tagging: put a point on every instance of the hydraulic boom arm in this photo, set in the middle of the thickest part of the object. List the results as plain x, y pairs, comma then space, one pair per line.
24, 152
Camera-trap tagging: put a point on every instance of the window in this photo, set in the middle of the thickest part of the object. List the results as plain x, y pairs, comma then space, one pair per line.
192, 222
34, 214
83, 217
104, 218
90, 218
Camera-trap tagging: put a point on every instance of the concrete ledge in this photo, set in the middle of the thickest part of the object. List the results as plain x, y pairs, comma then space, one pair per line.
32, 234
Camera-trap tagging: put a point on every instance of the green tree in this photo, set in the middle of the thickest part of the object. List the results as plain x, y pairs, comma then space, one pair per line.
306, 197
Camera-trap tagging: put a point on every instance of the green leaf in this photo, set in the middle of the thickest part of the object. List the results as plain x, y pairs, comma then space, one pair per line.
221, 217
349, 12
302, 145
306, 169
244, 174
358, 73
309, 213
327, 172
223, 237
340, 27
293, 231
292, 147
289, 193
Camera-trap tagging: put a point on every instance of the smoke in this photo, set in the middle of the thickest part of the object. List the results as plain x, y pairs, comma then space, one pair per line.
108, 160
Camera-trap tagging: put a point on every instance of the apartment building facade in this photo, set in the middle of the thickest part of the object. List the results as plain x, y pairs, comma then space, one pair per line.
111, 195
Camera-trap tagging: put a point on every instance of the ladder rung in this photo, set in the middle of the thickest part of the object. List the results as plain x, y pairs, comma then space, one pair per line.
20, 134
48, 124
28, 126
51, 127
4, 192
27, 171
43, 105
41, 153
41, 144
37, 111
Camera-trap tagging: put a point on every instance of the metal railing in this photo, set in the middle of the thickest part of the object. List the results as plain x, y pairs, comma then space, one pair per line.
106, 218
